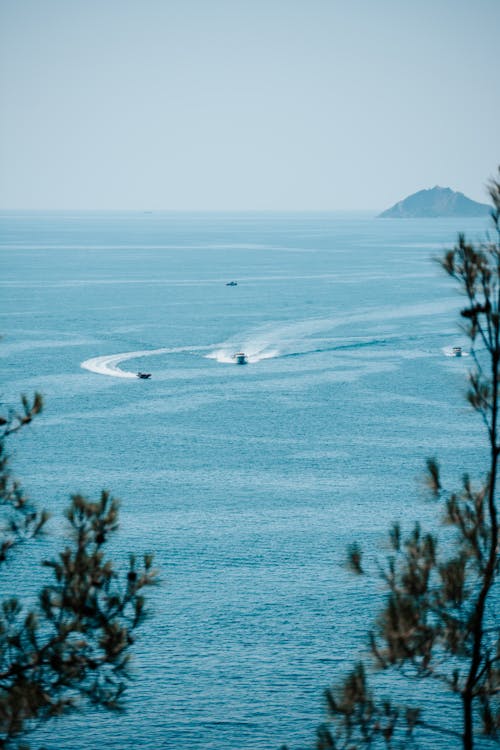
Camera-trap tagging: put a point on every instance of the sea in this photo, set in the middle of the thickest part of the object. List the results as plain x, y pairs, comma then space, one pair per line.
246, 482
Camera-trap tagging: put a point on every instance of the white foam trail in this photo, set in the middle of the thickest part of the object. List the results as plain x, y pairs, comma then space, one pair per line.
257, 345
108, 363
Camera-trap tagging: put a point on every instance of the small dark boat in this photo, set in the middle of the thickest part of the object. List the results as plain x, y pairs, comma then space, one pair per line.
457, 351
240, 358
232, 283
144, 375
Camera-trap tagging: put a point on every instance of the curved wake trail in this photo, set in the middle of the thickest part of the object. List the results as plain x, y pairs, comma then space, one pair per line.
288, 339
107, 364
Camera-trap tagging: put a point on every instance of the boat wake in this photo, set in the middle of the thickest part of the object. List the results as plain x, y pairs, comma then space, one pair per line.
256, 347
269, 341
287, 341
108, 363
226, 356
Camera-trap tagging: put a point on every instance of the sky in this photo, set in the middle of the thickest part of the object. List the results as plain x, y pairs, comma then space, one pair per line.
245, 104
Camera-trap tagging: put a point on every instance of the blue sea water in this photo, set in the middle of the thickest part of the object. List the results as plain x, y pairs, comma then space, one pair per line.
247, 482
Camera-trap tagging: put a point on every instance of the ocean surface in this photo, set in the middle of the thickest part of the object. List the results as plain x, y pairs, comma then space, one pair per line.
247, 482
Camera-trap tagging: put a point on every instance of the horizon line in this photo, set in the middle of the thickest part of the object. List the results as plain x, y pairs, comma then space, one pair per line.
193, 210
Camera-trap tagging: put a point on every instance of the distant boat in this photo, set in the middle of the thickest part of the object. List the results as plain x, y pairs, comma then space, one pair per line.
240, 358
232, 283
144, 375
457, 351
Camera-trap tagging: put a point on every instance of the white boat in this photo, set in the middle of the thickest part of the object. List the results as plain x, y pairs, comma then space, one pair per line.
457, 351
240, 358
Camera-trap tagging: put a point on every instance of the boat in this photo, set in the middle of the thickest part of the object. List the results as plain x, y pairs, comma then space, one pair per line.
144, 375
457, 351
240, 358
232, 283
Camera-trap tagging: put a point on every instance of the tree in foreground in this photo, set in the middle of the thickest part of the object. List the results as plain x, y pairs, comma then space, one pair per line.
440, 620
70, 648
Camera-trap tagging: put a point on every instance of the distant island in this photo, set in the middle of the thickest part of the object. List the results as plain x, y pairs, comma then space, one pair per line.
433, 203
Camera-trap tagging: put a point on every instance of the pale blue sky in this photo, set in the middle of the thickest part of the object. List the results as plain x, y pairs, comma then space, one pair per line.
245, 104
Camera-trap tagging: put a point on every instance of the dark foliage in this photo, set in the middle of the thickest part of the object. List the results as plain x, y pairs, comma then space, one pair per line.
19, 518
439, 620
72, 647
